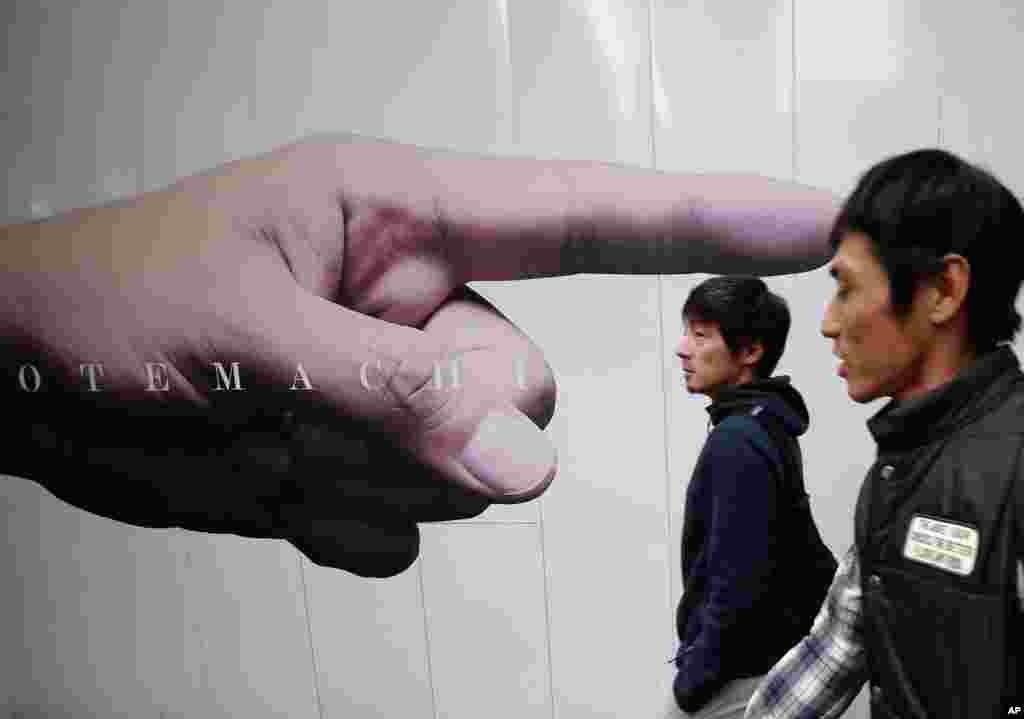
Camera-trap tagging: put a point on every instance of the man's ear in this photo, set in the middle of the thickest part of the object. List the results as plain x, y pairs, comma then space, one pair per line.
950, 288
752, 354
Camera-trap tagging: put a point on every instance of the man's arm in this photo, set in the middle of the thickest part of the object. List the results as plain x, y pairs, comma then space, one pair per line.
821, 675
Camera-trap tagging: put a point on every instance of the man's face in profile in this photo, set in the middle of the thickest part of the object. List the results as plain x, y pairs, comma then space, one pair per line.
707, 362
881, 355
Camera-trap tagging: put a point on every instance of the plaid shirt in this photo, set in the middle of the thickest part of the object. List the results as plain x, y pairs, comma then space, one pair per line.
821, 675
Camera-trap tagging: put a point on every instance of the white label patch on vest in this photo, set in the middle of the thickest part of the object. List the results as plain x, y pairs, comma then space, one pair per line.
948, 546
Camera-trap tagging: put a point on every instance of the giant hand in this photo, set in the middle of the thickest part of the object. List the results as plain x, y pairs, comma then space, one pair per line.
286, 347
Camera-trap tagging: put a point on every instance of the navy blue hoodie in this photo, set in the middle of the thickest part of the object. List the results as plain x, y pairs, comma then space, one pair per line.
731, 620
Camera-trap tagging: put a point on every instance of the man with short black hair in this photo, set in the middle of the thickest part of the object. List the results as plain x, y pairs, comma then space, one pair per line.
749, 544
928, 604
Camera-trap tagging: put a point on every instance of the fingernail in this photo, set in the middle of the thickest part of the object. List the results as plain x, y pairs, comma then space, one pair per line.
510, 455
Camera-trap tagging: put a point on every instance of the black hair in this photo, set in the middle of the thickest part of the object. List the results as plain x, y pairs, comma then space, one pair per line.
746, 312
916, 207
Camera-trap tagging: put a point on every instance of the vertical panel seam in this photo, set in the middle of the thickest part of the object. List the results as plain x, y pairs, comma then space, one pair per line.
547, 607
665, 452
309, 635
793, 88
651, 110
426, 640
661, 328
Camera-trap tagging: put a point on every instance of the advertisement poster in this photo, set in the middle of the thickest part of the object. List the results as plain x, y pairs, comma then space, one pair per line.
343, 347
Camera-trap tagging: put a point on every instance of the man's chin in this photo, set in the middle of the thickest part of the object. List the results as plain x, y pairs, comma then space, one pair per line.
861, 395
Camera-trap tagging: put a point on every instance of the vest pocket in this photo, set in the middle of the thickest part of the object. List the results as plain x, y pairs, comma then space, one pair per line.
936, 650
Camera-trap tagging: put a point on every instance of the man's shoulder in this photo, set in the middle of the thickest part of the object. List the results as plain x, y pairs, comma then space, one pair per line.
745, 431
739, 424
1006, 418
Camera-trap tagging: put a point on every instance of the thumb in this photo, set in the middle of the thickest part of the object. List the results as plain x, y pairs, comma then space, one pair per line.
469, 431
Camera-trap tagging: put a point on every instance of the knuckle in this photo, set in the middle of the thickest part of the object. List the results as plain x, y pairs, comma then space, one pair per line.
411, 389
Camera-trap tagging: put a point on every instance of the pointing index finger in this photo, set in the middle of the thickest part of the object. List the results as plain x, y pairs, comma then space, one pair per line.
514, 218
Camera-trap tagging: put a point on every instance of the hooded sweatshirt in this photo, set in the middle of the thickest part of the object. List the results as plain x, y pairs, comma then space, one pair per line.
731, 620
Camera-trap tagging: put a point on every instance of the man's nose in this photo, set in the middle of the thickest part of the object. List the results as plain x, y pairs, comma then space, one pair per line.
829, 325
683, 348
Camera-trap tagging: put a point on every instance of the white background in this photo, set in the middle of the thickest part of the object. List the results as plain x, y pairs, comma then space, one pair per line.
562, 607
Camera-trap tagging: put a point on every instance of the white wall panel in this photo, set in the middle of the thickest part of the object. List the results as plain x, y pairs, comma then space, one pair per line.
117, 621
428, 73
486, 617
370, 641
251, 655
605, 520
865, 87
94, 613
981, 111
225, 80
723, 86
579, 80
72, 131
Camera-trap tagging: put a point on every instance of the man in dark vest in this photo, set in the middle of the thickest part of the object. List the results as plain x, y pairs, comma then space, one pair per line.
749, 543
928, 605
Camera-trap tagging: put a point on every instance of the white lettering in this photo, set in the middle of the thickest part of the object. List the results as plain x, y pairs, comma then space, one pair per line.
447, 374
92, 369
931, 541
158, 380
38, 380
300, 373
234, 382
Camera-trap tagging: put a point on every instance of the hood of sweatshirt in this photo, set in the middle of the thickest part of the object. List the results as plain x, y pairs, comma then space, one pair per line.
776, 395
